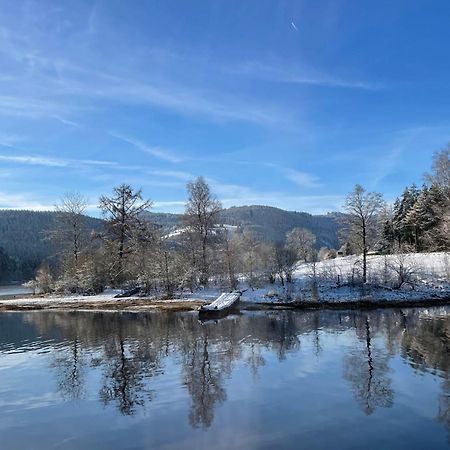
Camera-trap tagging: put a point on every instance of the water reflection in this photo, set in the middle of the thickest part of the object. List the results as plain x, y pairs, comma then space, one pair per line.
130, 351
366, 368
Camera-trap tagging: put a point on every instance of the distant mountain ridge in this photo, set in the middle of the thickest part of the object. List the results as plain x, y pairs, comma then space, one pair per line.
269, 223
272, 223
22, 233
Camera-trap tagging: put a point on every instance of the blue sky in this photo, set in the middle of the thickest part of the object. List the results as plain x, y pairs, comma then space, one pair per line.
286, 103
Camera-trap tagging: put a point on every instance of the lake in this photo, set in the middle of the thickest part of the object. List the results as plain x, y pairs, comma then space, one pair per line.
14, 289
260, 380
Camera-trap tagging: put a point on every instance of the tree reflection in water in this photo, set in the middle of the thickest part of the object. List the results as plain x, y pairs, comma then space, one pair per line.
367, 370
129, 350
70, 365
203, 378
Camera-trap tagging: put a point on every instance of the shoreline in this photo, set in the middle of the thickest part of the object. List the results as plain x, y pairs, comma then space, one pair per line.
183, 305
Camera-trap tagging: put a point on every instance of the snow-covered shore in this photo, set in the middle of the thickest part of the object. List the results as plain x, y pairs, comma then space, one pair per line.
427, 277
103, 301
326, 283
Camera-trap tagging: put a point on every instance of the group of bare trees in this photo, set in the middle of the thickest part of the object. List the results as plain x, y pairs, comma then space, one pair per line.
132, 252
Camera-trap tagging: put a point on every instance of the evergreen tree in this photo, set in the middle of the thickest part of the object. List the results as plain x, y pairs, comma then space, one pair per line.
403, 231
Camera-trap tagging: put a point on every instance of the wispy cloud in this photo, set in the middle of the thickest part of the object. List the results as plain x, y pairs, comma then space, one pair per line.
283, 73
39, 160
157, 152
54, 77
34, 108
22, 201
10, 140
302, 179
179, 175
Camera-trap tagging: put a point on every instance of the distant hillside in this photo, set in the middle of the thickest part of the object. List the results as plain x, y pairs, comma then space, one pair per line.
272, 224
23, 243
166, 220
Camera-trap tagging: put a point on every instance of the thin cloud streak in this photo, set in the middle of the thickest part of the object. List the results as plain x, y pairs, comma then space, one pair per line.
295, 75
53, 75
302, 179
179, 175
38, 160
157, 152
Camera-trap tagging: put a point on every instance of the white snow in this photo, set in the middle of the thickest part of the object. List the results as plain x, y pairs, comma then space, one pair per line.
224, 300
430, 273
427, 267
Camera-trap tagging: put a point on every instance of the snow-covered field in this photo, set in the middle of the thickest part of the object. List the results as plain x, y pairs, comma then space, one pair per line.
425, 268
427, 277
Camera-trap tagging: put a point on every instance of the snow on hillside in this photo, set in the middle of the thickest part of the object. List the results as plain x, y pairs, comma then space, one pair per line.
180, 231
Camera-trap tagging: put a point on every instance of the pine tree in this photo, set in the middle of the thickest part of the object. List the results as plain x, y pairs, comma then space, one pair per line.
404, 232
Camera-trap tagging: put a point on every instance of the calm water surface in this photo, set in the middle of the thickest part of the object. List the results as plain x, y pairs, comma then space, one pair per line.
266, 380
14, 290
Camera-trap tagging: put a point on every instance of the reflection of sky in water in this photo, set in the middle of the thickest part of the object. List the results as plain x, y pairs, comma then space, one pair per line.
14, 290
278, 380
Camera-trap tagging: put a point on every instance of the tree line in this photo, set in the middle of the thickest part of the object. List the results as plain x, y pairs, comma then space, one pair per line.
132, 252
419, 219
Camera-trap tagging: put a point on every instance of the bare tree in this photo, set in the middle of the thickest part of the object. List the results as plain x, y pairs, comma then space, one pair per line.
201, 214
403, 268
43, 280
70, 231
123, 211
301, 241
361, 221
69, 236
284, 259
229, 248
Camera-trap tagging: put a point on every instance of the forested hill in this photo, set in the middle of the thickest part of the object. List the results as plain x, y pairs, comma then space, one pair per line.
269, 223
272, 224
23, 243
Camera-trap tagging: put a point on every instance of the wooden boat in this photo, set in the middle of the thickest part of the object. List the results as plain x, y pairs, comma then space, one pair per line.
128, 293
224, 304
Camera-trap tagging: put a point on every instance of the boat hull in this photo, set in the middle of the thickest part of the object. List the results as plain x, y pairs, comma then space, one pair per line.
217, 313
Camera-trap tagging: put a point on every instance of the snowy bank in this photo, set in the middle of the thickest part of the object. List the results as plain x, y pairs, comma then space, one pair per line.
103, 301
330, 283
411, 277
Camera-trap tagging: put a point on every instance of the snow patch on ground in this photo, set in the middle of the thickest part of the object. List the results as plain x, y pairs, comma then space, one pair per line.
431, 273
